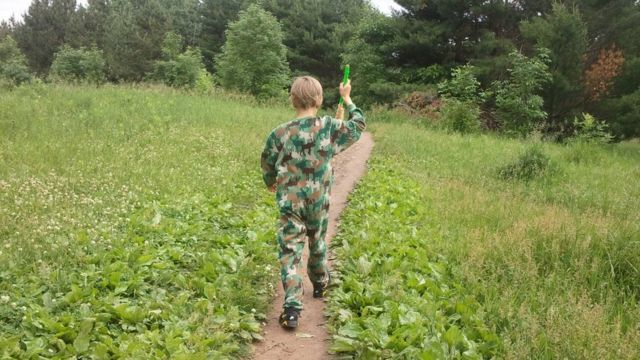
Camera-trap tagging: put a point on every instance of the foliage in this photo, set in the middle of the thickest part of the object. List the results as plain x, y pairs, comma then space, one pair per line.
119, 239
396, 298
134, 38
45, 27
564, 33
588, 129
204, 82
177, 68
460, 116
13, 64
78, 65
518, 105
552, 263
600, 76
253, 58
462, 86
529, 165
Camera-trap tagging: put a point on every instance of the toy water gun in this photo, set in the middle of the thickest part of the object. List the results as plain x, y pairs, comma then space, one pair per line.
345, 80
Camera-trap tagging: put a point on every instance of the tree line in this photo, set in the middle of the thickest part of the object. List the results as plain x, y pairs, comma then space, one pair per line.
531, 64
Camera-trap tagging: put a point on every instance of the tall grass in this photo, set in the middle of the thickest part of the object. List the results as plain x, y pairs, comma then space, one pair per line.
555, 260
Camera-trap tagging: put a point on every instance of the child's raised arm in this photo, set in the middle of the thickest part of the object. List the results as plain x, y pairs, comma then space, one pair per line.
346, 133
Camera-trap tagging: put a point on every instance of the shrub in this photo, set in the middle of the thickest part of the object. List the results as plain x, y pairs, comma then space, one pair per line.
531, 164
78, 65
204, 82
589, 130
13, 64
177, 68
518, 105
253, 59
462, 86
460, 116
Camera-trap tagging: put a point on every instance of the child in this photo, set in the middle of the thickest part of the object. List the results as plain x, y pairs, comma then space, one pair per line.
296, 165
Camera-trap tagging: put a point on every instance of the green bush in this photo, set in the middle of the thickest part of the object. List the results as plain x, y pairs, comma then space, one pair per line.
177, 68
462, 86
460, 116
78, 65
13, 64
204, 82
589, 130
253, 59
518, 105
531, 164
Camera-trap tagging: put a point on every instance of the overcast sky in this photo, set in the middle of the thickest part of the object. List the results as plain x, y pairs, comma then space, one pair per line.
19, 7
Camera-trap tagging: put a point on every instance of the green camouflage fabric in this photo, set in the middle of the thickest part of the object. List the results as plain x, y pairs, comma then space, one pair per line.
297, 161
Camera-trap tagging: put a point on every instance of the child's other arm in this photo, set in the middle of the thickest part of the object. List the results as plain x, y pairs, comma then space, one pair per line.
268, 162
346, 133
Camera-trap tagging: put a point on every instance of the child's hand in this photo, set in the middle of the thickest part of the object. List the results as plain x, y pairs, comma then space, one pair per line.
345, 92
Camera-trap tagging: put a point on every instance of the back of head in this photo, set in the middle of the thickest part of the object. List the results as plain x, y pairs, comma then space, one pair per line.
306, 92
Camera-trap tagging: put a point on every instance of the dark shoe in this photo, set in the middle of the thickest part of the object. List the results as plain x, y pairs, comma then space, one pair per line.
289, 318
320, 290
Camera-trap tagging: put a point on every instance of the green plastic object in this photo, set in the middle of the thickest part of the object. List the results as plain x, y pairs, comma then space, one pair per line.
345, 79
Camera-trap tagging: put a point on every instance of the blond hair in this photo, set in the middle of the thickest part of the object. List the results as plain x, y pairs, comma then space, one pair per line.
306, 92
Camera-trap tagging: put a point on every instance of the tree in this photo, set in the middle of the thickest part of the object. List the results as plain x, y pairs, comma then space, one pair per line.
253, 58
315, 33
13, 64
564, 33
78, 65
215, 16
518, 104
178, 68
45, 27
134, 38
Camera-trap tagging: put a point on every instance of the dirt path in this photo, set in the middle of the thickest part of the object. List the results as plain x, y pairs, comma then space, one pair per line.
311, 340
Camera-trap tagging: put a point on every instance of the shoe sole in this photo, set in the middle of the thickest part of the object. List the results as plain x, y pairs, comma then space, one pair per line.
289, 324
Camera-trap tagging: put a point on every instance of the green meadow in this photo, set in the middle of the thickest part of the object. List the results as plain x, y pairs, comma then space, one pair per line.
134, 223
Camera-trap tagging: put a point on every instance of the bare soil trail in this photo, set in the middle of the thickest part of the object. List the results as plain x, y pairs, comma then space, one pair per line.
311, 340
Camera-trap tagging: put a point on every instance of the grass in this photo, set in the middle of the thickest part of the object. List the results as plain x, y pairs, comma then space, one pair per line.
133, 223
553, 260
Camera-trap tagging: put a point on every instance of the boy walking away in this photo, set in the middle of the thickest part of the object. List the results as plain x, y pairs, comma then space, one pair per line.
296, 165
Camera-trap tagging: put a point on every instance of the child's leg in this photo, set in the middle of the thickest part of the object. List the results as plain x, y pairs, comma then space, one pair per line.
317, 222
291, 235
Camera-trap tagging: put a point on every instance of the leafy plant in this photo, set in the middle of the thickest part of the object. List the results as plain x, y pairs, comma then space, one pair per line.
395, 297
590, 130
518, 105
462, 86
529, 165
253, 59
78, 65
180, 69
460, 116
13, 64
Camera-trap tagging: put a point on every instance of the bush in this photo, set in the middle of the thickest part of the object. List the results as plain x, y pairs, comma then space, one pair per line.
589, 130
531, 164
253, 59
13, 64
518, 105
204, 82
460, 116
78, 65
179, 69
462, 86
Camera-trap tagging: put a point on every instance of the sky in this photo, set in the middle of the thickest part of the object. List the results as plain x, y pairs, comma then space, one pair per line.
19, 7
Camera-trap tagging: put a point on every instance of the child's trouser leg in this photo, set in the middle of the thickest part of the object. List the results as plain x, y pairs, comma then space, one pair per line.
317, 222
291, 234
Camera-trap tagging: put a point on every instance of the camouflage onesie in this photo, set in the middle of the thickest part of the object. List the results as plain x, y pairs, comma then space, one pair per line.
297, 160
